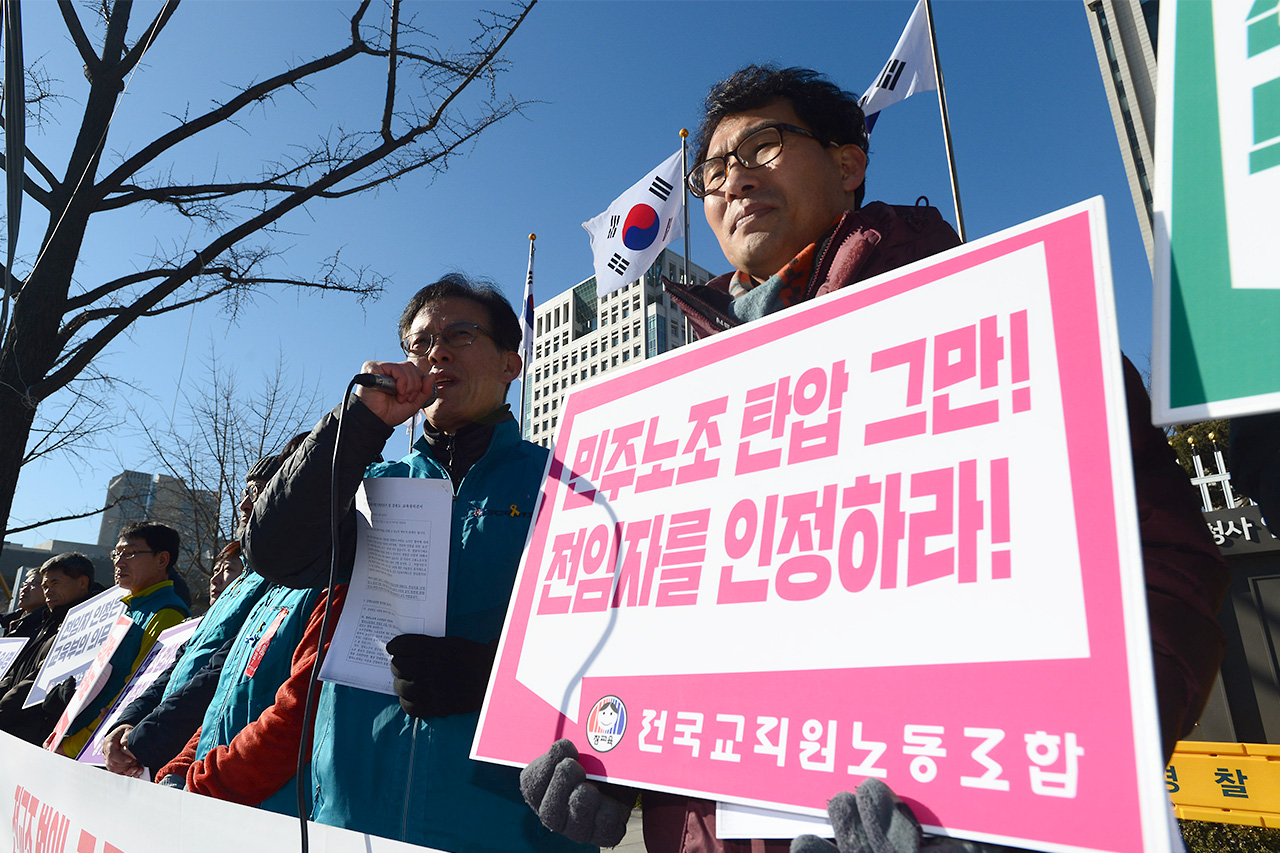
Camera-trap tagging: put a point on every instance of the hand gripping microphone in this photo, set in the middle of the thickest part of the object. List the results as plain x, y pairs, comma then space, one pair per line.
385, 384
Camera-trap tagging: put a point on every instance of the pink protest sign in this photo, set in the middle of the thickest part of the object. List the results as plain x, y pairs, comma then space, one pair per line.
162, 655
886, 533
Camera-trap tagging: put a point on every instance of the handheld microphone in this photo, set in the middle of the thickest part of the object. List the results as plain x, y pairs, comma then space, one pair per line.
386, 385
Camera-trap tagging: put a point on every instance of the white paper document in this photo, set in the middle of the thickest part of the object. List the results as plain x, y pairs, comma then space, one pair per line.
400, 581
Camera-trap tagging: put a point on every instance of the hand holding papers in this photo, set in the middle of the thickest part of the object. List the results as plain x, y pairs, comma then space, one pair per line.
400, 579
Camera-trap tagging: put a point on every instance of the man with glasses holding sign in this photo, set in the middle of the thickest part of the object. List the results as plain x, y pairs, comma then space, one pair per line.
398, 766
143, 557
781, 167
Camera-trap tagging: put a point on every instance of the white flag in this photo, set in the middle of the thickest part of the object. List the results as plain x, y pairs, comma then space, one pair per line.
526, 315
630, 235
908, 71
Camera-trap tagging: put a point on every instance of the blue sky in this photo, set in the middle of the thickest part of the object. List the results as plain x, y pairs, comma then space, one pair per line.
610, 86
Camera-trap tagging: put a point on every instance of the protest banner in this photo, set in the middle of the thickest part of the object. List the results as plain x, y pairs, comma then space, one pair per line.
91, 683
9, 650
84, 630
162, 655
889, 532
62, 805
1217, 178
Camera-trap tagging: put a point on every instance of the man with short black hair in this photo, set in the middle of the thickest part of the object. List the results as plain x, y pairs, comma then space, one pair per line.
461, 342
781, 166
66, 580
143, 556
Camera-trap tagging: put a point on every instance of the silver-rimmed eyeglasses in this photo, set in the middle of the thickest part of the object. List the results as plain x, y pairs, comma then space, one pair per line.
454, 336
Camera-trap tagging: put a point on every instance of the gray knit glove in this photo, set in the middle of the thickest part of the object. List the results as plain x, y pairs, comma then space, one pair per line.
556, 787
874, 820
175, 780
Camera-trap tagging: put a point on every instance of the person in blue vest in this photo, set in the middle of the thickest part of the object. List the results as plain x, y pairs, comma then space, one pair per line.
398, 766
143, 556
152, 730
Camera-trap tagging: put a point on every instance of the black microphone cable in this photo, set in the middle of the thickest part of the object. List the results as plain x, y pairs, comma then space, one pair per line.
387, 385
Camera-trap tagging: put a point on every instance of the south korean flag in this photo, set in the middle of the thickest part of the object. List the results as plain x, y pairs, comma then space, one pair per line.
909, 69
630, 235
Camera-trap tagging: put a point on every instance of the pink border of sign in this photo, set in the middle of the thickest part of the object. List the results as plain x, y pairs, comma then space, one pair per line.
1089, 696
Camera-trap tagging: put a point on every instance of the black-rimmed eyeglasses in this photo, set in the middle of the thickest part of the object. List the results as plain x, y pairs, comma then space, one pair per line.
761, 147
454, 336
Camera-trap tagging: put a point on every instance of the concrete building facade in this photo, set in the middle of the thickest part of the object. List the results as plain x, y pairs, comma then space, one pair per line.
579, 336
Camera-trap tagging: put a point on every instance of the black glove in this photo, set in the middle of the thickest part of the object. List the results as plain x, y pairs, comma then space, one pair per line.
556, 787
57, 699
440, 676
874, 820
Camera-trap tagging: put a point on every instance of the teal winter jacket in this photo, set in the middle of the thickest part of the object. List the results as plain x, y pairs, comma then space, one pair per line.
375, 769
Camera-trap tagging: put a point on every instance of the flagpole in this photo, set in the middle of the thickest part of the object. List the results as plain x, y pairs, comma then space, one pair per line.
946, 123
684, 187
526, 342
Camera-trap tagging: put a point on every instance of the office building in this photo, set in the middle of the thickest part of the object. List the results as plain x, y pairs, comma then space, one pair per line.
579, 336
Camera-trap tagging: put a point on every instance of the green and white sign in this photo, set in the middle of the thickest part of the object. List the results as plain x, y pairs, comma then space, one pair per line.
1217, 211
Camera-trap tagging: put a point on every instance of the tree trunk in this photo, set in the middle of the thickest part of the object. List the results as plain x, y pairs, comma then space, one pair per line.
30, 348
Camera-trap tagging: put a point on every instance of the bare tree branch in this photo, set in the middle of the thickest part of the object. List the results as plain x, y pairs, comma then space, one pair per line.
219, 434
389, 108
148, 36
37, 193
251, 95
91, 61
56, 336
12, 531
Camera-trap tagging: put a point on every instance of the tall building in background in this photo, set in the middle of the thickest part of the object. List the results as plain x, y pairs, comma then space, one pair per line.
166, 500
1124, 36
579, 336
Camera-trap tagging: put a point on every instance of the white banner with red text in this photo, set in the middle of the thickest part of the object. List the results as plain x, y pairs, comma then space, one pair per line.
62, 806
890, 532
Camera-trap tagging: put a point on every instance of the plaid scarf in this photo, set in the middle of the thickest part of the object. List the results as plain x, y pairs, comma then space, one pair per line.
790, 282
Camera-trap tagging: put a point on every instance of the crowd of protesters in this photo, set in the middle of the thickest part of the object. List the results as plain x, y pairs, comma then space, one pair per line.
781, 164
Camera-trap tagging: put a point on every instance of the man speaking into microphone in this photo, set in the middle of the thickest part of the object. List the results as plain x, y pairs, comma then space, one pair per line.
400, 768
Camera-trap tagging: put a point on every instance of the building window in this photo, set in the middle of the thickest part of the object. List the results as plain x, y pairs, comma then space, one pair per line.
626, 356
595, 350
573, 380
636, 351
555, 368
626, 334
536, 392
593, 370
584, 373
555, 404
575, 358
615, 361
625, 312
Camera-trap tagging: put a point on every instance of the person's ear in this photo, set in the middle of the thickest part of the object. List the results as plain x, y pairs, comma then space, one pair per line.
852, 161
511, 366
